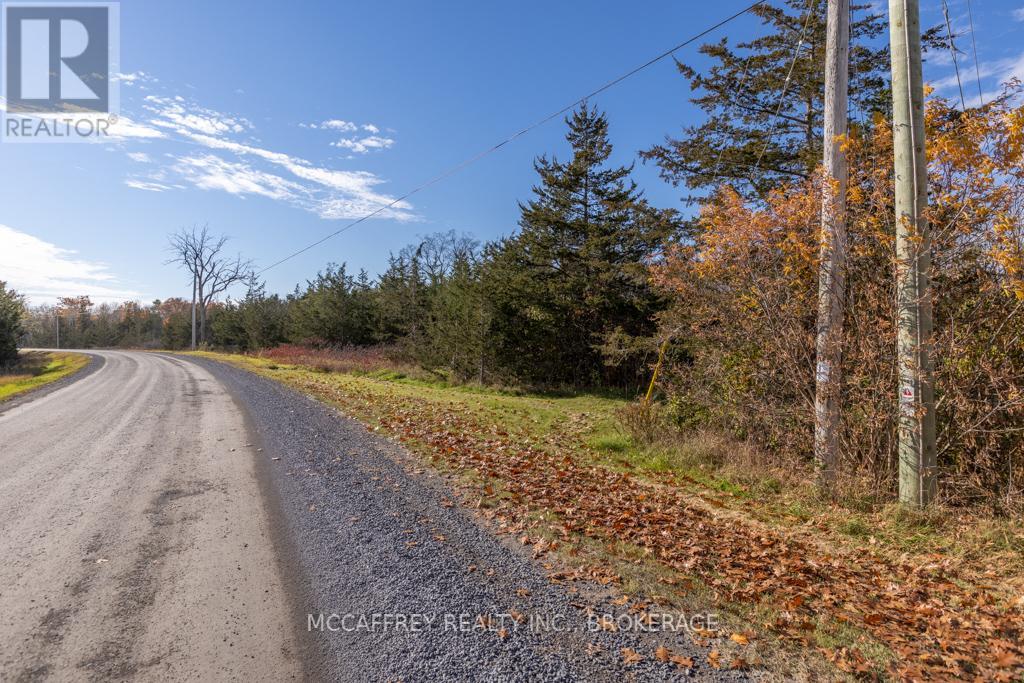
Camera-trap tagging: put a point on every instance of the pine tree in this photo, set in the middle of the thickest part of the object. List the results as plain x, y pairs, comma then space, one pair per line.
575, 273
12, 312
741, 141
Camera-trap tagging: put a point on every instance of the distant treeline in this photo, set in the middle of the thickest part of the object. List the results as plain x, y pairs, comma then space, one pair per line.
565, 302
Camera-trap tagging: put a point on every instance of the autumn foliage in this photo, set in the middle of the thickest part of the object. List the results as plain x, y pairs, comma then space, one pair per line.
745, 292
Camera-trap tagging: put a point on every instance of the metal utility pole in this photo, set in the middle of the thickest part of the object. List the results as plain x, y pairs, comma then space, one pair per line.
913, 261
193, 312
832, 267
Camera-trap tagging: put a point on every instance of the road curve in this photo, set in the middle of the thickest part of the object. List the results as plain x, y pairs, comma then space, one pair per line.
170, 518
134, 537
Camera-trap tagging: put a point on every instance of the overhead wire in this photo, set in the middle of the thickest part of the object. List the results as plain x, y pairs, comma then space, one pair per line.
785, 85
494, 148
974, 45
952, 52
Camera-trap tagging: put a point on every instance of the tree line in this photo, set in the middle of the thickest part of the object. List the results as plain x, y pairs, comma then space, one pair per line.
566, 301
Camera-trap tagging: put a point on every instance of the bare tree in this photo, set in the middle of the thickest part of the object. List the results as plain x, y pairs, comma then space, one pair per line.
200, 253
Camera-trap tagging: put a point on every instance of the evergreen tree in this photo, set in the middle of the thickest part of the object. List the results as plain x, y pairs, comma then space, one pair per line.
576, 272
334, 310
457, 327
740, 94
12, 311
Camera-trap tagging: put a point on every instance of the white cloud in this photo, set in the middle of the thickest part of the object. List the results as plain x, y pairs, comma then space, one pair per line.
329, 193
1001, 70
210, 172
43, 271
355, 144
146, 185
172, 113
1018, 14
130, 79
338, 124
141, 157
125, 128
364, 145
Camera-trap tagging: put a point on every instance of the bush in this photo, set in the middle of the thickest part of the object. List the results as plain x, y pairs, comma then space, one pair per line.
12, 311
745, 293
643, 421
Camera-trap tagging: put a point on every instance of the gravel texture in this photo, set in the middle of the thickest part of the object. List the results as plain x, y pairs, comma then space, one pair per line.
364, 533
134, 539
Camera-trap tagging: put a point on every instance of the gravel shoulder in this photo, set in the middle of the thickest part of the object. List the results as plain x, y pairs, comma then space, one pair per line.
409, 586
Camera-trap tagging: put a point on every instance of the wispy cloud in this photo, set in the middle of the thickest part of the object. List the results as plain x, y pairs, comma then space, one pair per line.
365, 144
210, 172
43, 271
1000, 70
1018, 14
146, 185
252, 169
125, 128
174, 113
133, 78
357, 144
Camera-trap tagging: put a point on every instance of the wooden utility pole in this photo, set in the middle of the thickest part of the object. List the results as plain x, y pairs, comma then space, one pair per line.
913, 261
832, 267
193, 312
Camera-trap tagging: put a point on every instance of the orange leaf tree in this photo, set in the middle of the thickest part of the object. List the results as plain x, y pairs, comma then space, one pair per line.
745, 296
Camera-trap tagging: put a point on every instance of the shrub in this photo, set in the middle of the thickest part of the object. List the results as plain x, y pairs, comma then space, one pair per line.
643, 421
12, 311
745, 299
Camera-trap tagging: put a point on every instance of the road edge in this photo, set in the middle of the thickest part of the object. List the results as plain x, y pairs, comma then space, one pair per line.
290, 571
96, 361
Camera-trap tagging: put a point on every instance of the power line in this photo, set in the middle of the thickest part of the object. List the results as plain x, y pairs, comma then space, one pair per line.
785, 85
974, 44
952, 52
490, 150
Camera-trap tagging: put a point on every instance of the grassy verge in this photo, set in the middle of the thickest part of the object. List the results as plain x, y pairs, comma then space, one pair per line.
699, 522
38, 368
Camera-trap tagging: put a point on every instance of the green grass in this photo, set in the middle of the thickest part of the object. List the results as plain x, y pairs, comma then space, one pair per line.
589, 420
729, 477
708, 465
37, 368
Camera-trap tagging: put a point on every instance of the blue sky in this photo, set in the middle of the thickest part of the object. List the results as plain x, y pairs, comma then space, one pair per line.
278, 122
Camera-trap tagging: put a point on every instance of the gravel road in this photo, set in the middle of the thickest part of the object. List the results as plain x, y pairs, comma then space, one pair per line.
170, 518
134, 543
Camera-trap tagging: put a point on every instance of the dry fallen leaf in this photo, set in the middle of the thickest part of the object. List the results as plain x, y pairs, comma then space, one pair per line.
681, 661
630, 656
739, 639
